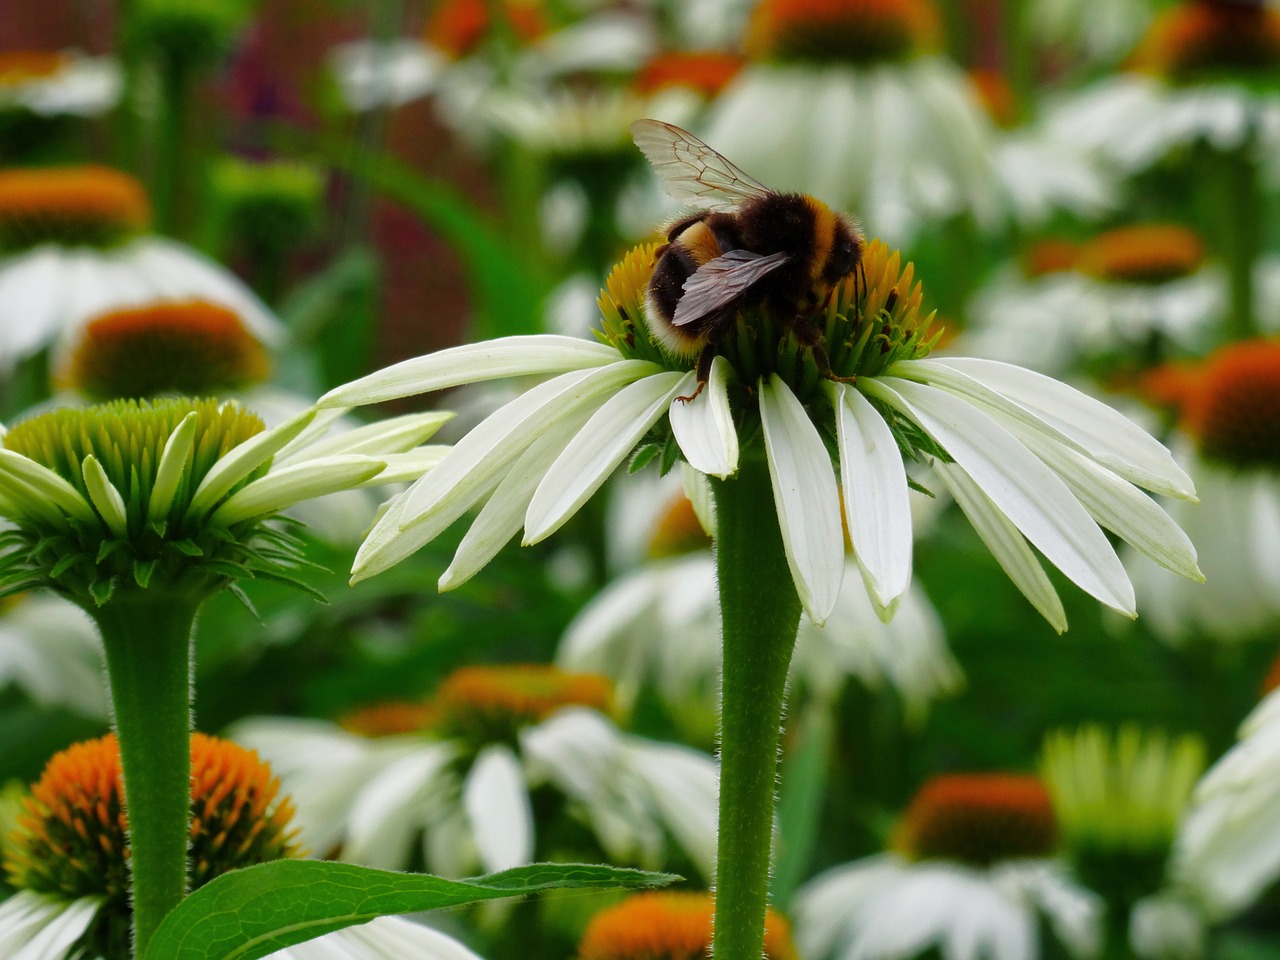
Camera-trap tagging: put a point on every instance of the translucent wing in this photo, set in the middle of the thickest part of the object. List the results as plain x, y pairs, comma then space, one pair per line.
690, 170
717, 283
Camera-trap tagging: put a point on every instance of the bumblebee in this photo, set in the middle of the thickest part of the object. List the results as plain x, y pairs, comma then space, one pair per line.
748, 246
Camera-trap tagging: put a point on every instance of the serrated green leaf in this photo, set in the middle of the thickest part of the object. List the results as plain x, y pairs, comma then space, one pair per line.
187, 547
101, 590
250, 913
142, 571
643, 457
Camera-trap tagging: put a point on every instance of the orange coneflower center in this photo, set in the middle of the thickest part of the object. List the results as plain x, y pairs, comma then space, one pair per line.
1142, 253
706, 71
189, 347
669, 926
1049, 256
390, 719
979, 819
678, 531
1233, 409
458, 27
484, 704
861, 32
20, 66
1201, 40
72, 840
72, 206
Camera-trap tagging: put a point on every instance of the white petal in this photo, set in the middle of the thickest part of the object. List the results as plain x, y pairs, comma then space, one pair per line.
45, 486
242, 460
503, 515
393, 435
471, 363
804, 495
172, 466
1006, 544
876, 503
302, 481
1109, 437
408, 467
104, 496
604, 442
387, 544
497, 804
478, 461
36, 926
1120, 507
704, 426
1023, 487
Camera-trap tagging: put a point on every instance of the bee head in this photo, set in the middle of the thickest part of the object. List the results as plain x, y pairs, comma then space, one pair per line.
846, 250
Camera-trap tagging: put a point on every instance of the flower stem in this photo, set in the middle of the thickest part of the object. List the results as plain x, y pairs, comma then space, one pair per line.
761, 613
1239, 202
147, 637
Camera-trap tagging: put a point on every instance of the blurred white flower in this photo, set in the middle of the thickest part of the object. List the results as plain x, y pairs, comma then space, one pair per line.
1203, 73
372, 74
976, 881
462, 794
1110, 299
50, 649
73, 245
50, 84
1229, 425
1098, 33
660, 625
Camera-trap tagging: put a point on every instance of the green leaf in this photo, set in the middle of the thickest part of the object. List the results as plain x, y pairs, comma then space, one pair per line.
254, 912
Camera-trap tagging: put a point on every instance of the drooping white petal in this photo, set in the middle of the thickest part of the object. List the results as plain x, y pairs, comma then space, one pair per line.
278, 407
704, 426
394, 435
876, 504
472, 363
172, 467
386, 543
503, 515
44, 485
1109, 437
290, 485
479, 460
383, 938
242, 460
105, 497
804, 495
1006, 544
497, 804
592, 455
1120, 506
1023, 487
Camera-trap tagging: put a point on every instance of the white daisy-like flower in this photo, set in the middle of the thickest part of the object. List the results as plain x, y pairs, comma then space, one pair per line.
1229, 441
67, 82
374, 74
1227, 851
452, 776
860, 112
1203, 73
1111, 298
50, 649
174, 492
73, 246
72, 901
1027, 458
660, 625
977, 880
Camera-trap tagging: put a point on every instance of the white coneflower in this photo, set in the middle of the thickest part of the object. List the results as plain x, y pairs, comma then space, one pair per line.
68, 859
973, 875
74, 244
50, 650
862, 111
452, 775
52, 83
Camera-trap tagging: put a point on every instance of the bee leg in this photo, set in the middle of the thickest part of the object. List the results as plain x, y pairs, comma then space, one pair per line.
808, 335
703, 371
824, 365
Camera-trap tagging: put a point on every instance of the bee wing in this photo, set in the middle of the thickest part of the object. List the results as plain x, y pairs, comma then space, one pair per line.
717, 283
690, 170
